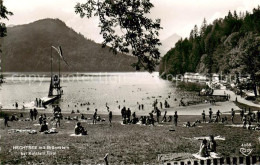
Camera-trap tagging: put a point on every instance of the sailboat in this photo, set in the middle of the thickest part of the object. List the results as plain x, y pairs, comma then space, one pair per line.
55, 89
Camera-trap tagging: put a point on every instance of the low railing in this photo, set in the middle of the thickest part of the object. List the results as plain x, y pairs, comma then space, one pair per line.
249, 160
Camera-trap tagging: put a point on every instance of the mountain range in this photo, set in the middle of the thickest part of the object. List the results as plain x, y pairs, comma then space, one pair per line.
27, 48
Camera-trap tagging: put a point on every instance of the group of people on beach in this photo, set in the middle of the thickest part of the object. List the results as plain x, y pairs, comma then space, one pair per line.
246, 117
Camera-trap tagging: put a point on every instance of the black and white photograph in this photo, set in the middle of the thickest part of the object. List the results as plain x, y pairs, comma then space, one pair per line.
130, 82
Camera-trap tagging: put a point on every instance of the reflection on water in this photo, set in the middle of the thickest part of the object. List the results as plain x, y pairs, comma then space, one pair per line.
96, 88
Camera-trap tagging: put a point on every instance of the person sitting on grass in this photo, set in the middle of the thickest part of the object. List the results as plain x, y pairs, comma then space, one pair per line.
187, 124
212, 146
203, 152
44, 127
170, 118
40, 120
82, 117
151, 121
143, 119
79, 129
135, 119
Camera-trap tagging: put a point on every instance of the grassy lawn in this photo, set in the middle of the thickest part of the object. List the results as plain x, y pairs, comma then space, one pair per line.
127, 144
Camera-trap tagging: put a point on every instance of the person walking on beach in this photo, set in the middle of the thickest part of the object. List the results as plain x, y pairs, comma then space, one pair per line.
16, 105
35, 113
110, 115
128, 115
31, 114
95, 117
210, 114
218, 116
232, 115
203, 116
6, 119
161, 105
123, 112
175, 117
158, 114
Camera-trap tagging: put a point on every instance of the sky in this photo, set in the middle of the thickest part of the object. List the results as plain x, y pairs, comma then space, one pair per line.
177, 16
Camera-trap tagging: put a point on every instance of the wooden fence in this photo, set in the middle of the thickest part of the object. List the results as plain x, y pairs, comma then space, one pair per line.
250, 160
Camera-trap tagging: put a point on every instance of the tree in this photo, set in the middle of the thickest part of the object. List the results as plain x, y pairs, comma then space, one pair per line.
139, 34
250, 58
3, 15
203, 27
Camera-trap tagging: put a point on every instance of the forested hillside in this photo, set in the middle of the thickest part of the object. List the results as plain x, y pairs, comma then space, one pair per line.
27, 48
228, 45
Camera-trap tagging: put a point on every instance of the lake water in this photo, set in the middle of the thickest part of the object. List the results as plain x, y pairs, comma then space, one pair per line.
124, 89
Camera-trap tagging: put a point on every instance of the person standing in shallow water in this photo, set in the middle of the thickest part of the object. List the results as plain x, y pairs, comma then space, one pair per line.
175, 117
